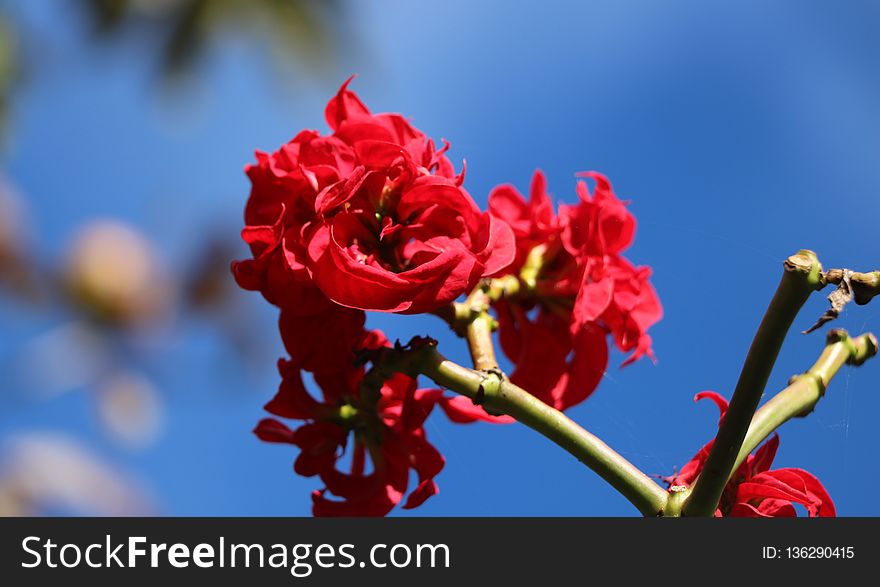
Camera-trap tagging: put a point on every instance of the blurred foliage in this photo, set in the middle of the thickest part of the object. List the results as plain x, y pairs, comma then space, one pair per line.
9, 66
16, 270
184, 29
113, 304
46, 472
181, 33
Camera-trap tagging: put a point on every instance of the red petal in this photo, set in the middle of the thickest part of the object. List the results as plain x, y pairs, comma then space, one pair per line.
340, 192
319, 444
495, 245
791, 485
717, 398
462, 410
764, 456
325, 341
271, 430
344, 105
592, 300
292, 400
422, 492
768, 508
507, 203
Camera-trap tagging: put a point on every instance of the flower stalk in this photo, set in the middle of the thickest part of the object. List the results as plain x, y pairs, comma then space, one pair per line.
802, 276
805, 390
480, 325
498, 395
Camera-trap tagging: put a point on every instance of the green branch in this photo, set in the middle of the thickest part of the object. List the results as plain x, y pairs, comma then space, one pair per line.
802, 276
479, 337
805, 390
479, 325
498, 395
742, 429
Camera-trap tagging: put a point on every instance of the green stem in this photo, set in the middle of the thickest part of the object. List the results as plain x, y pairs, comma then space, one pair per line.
479, 337
478, 329
801, 277
501, 396
805, 391
487, 386
459, 315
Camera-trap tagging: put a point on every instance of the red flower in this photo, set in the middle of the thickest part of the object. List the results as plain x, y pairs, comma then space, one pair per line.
373, 217
755, 490
577, 289
322, 341
384, 431
533, 222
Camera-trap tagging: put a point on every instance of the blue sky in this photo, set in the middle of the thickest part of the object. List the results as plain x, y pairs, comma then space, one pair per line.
741, 132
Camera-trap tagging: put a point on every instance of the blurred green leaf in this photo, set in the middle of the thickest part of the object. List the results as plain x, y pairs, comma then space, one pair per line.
183, 30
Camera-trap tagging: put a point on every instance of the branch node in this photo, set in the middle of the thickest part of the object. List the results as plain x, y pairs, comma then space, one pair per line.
871, 348
839, 298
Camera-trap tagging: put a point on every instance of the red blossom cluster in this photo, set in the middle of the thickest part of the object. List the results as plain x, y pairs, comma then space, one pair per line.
373, 217
755, 490
386, 428
577, 287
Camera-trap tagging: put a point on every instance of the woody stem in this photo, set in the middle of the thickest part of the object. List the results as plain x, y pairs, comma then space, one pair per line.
865, 286
478, 331
805, 390
802, 275
459, 315
499, 395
